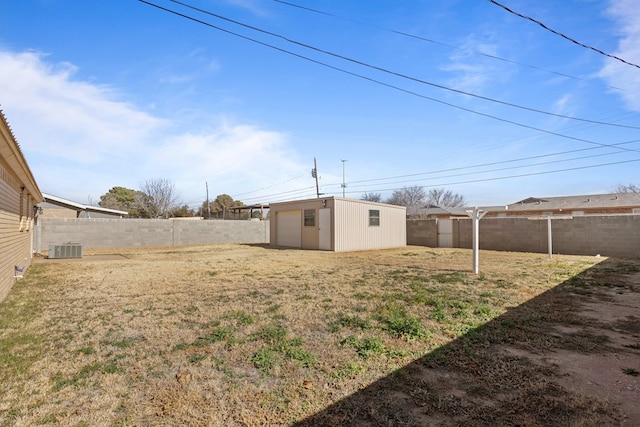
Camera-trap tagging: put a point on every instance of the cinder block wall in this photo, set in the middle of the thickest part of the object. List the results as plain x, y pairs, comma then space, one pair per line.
504, 234
421, 232
111, 233
615, 236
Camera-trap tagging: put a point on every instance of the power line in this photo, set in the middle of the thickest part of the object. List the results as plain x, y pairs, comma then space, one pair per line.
383, 83
288, 195
397, 74
269, 186
564, 36
451, 46
503, 168
298, 191
516, 176
521, 159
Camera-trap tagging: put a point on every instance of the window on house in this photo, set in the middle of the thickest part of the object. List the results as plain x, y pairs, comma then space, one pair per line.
374, 217
309, 217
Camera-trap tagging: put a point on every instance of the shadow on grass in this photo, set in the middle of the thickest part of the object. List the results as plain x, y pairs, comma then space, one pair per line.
503, 372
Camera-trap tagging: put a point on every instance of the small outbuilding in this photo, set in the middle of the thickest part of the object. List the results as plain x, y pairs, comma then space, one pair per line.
337, 224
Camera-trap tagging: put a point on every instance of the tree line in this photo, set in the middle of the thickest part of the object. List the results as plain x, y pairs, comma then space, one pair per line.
158, 199
416, 199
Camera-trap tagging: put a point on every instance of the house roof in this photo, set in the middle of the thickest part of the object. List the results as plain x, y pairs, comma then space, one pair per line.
11, 153
80, 207
593, 201
538, 204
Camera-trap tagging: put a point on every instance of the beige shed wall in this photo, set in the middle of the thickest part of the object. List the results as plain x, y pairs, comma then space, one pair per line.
350, 230
353, 232
309, 234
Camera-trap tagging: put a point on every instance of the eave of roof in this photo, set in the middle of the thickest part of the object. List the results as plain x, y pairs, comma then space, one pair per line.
80, 207
13, 156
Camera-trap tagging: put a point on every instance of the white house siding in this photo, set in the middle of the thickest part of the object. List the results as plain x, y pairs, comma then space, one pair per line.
353, 232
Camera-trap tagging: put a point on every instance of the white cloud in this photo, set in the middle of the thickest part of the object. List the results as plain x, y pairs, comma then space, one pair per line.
63, 117
80, 139
472, 71
616, 73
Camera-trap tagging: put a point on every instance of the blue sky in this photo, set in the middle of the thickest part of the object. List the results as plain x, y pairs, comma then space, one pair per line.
102, 94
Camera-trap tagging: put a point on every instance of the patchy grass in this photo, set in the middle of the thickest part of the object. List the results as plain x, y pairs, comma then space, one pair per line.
271, 337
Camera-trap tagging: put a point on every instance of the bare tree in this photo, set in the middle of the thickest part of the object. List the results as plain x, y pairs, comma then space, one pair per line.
445, 198
158, 198
413, 198
371, 197
627, 188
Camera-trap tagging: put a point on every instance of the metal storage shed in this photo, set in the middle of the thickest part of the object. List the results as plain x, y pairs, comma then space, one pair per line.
337, 224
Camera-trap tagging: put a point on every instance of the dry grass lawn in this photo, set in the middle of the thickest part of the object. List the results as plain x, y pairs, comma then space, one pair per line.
246, 335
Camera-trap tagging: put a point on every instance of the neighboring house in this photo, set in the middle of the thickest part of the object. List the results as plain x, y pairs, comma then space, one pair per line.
434, 211
19, 195
56, 207
337, 224
595, 204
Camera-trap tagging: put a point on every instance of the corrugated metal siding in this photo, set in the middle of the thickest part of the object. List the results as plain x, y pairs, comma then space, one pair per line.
353, 232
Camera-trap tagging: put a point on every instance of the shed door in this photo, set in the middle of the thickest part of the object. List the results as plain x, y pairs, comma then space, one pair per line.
445, 233
289, 229
324, 229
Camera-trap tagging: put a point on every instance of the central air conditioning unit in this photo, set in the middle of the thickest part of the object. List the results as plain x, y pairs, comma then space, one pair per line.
65, 250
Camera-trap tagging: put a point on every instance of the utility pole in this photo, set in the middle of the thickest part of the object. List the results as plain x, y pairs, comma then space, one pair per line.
208, 204
314, 173
344, 183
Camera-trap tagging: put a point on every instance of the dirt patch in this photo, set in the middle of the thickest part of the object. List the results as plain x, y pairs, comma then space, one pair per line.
611, 311
234, 335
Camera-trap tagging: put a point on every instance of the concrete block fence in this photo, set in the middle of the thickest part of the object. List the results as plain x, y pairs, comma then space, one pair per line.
614, 236
607, 235
113, 233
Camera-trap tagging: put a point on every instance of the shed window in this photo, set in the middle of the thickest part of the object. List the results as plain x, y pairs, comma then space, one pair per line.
374, 217
309, 217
